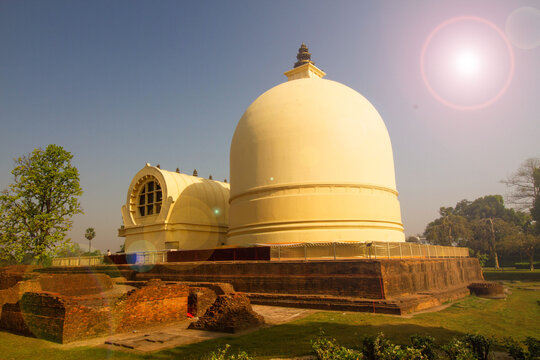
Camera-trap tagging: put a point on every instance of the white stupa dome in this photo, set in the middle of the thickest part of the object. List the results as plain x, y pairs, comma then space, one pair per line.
311, 161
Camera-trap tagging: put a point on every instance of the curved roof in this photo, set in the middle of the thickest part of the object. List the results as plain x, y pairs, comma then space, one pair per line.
186, 199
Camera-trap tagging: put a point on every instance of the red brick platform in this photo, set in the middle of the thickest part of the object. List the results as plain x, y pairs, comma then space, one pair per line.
394, 286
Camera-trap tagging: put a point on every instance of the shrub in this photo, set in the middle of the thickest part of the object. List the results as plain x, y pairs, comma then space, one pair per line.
380, 348
328, 349
458, 350
221, 354
369, 347
479, 345
426, 345
518, 352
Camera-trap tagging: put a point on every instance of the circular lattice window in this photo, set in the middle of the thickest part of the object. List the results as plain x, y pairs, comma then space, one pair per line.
149, 198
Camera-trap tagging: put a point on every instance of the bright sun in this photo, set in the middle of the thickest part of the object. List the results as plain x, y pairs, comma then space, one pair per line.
467, 63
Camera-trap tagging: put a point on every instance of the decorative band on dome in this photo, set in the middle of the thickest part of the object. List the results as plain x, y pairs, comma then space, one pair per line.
262, 189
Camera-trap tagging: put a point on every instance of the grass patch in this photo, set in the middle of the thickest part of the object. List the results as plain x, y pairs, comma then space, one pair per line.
511, 274
517, 316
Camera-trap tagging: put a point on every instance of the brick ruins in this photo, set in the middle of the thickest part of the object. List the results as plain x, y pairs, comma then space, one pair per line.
229, 313
65, 304
62, 317
68, 307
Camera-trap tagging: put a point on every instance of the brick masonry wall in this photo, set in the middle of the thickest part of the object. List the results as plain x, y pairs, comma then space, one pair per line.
62, 319
75, 284
82, 322
359, 278
199, 300
14, 293
11, 275
364, 278
153, 304
12, 319
372, 279
229, 313
404, 277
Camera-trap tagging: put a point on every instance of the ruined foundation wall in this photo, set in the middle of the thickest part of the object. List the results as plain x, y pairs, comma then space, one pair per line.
75, 284
63, 319
371, 279
409, 276
153, 304
359, 278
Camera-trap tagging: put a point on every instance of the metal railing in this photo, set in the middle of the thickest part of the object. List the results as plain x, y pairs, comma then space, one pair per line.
304, 251
355, 250
148, 257
141, 257
78, 261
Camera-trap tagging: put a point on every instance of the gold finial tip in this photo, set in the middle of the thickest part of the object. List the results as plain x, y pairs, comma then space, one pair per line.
303, 57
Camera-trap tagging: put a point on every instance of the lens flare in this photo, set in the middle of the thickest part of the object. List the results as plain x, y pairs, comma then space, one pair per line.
467, 63
523, 27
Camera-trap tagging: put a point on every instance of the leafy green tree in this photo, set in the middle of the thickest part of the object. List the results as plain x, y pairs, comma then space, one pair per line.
89, 235
482, 225
524, 187
524, 242
36, 210
70, 250
449, 229
490, 207
490, 221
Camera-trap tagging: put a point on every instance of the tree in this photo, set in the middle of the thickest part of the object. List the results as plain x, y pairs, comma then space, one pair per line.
525, 194
89, 235
535, 210
36, 210
489, 233
451, 228
524, 184
524, 242
489, 221
482, 225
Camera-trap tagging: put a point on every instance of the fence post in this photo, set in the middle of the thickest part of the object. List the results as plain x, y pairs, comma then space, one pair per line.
400, 252
305, 252
428, 254
279, 253
388, 249
334, 251
374, 249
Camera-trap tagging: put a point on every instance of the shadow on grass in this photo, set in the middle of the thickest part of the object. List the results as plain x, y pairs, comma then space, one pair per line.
289, 340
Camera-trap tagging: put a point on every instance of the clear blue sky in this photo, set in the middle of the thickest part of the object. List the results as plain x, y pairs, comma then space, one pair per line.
122, 83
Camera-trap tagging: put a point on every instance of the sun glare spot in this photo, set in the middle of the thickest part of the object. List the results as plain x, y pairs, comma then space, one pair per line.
467, 63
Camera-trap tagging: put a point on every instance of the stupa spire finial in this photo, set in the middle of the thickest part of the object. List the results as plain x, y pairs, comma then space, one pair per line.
303, 57
304, 67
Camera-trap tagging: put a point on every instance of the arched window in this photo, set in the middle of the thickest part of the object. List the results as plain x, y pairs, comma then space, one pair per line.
150, 198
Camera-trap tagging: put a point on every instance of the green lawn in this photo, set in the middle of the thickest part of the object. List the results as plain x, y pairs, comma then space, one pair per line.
517, 316
511, 274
